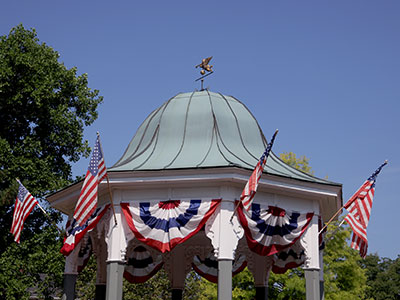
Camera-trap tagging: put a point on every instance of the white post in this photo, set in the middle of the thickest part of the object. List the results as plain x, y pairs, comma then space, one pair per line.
70, 274
225, 235
117, 240
311, 266
321, 275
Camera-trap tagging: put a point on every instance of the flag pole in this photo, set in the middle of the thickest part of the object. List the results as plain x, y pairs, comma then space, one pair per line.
234, 212
330, 220
340, 209
48, 217
108, 184
111, 198
44, 212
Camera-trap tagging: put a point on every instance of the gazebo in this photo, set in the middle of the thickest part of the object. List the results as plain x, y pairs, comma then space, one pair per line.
175, 190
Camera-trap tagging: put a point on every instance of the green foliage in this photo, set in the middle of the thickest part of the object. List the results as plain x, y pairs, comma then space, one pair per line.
210, 290
344, 277
290, 285
157, 287
301, 163
383, 277
242, 287
34, 266
43, 110
85, 286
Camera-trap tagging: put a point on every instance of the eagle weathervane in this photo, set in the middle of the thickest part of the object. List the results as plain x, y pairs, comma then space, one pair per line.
205, 67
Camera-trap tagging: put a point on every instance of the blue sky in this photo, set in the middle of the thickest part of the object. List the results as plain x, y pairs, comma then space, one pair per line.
326, 73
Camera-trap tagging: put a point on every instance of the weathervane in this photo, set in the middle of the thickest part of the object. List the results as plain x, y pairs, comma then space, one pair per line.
204, 67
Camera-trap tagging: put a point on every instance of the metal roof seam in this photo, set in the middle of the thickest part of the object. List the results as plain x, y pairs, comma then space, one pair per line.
164, 107
215, 127
184, 132
209, 148
238, 127
150, 118
132, 156
223, 144
154, 138
258, 125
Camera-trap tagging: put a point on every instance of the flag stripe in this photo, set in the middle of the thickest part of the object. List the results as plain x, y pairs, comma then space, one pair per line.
88, 194
250, 189
359, 207
87, 201
86, 214
25, 211
24, 204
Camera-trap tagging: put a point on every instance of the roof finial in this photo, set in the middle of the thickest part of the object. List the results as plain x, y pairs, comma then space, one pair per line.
204, 67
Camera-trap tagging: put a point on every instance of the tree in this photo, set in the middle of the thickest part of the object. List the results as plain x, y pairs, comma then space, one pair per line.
344, 278
34, 267
301, 163
383, 277
43, 110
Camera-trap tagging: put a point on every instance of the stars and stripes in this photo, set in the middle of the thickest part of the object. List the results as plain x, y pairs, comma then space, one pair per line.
96, 172
163, 225
359, 207
271, 229
24, 204
250, 189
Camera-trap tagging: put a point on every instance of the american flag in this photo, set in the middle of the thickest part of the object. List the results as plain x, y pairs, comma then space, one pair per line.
24, 204
359, 207
250, 189
96, 172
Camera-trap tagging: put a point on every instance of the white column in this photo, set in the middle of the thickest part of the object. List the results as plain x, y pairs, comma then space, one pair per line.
177, 272
312, 264
260, 267
117, 239
70, 274
321, 275
225, 236
100, 250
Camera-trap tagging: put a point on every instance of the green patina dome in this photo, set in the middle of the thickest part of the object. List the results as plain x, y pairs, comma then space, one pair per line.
201, 129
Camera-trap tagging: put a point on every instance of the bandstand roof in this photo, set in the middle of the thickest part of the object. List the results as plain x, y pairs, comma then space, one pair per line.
202, 129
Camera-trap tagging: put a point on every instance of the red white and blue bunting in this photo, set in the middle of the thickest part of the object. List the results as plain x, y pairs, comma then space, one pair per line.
294, 256
140, 265
208, 268
165, 224
270, 229
85, 252
289, 258
75, 232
